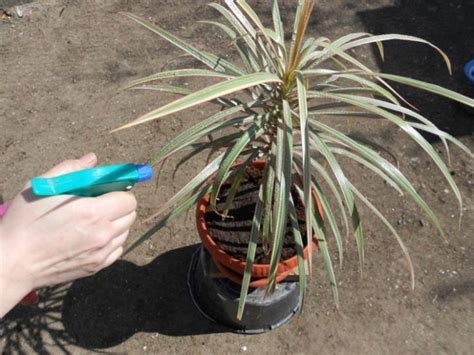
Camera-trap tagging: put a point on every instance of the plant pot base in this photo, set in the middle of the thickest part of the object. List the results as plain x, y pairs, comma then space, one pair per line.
217, 298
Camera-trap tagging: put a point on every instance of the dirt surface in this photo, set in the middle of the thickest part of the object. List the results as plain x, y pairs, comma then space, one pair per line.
232, 233
63, 64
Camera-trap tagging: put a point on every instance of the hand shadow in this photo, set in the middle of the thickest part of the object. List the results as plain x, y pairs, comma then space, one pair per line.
106, 309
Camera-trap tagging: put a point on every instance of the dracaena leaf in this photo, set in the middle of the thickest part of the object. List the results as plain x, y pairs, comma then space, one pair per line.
204, 95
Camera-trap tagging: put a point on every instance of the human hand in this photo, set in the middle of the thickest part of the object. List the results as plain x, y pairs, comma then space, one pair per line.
46, 241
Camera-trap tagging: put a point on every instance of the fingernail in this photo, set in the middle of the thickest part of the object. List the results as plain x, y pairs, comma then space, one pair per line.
88, 158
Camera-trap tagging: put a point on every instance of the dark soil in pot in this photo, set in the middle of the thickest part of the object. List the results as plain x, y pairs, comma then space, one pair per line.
232, 234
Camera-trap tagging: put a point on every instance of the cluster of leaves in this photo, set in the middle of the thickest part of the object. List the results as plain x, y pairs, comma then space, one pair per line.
288, 89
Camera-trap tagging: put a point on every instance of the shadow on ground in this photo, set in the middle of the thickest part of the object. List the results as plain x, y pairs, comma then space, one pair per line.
104, 310
449, 25
27, 329
108, 308
454, 290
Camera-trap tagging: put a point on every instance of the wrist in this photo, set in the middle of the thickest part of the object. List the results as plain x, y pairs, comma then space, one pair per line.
12, 287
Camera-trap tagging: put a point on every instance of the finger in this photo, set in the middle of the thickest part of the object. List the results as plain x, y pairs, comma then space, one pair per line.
118, 241
98, 236
69, 166
123, 224
113, 257
115, 205
88, 264
100, 256
79, 271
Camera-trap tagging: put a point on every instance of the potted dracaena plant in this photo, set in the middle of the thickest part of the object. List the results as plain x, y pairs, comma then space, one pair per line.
269, 110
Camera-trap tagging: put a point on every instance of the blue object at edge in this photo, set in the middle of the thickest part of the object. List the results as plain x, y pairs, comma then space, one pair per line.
469, 71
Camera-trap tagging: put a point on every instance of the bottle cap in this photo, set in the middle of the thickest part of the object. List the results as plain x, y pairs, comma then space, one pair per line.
145, 172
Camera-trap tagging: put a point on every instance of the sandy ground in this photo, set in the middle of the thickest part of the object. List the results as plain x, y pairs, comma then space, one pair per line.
62, 67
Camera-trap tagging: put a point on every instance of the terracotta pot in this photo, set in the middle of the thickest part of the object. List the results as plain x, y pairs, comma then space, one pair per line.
232, 267
254, 282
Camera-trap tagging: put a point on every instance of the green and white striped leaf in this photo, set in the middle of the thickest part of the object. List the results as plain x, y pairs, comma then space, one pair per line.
328, 265
245, 53
239, 176
241, 18
165, 88
368, 165
433, 88
179, 73
191, 186
190, 135
414, 134
443, 136
331, 219
332, 48
390, 227
343, 182
390, 37
329, 215
233, 153
247, 37
180, 209
277, 23
303, 13
364, 69
282, 190
213, 145
272, 54
257, 217
319, 230
370, 84
309, 54
384, 165
299, 251
212, 61
409, 112
314, 57
204, 95
269, 182
329, 181
304, 131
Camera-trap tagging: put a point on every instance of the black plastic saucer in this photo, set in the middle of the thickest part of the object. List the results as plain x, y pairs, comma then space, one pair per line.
217, 298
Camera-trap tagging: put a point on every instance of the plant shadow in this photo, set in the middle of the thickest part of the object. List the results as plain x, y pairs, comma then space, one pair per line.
27, 329
448, 25
106, 309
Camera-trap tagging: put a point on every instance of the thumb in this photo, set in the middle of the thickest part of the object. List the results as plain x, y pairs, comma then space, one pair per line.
87, 161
